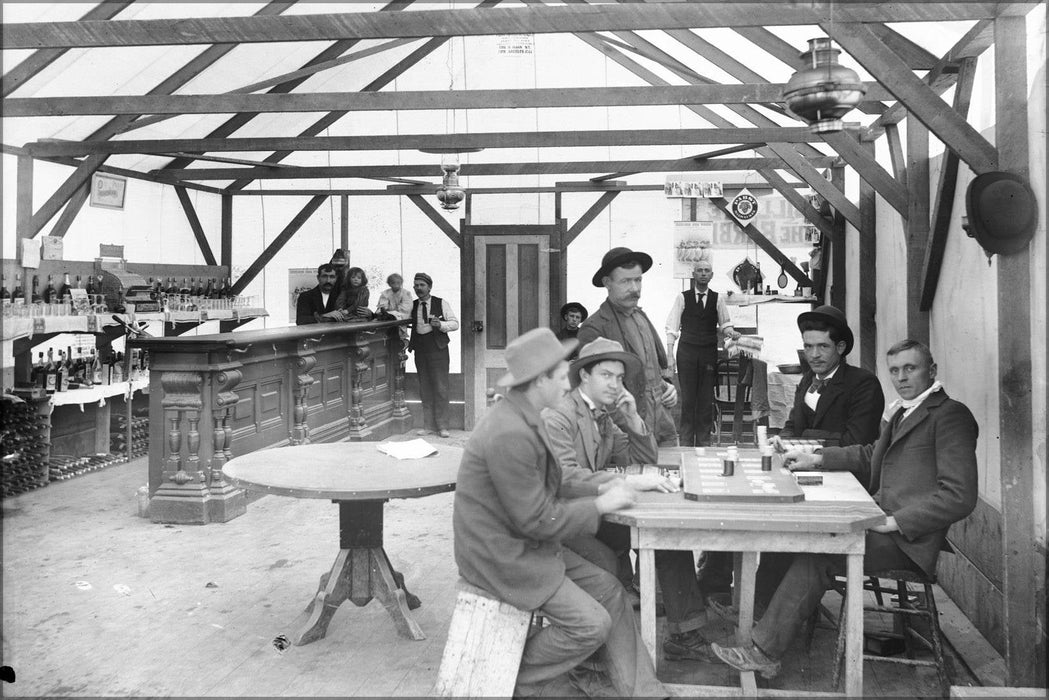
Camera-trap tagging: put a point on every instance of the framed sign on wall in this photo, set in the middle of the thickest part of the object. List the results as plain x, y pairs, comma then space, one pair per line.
108, 190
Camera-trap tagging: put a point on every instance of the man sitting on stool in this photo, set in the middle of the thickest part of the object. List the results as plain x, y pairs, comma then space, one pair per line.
597, 426
921, 471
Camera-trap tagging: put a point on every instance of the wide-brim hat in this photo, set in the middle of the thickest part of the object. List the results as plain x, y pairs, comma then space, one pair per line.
532, 353
833, 317
618, 257
1002, 212
599, 350
574, 306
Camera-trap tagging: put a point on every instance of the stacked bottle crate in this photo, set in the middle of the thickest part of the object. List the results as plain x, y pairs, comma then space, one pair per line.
24, 446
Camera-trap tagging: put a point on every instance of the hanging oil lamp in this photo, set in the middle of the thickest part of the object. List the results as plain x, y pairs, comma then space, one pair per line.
450, 193
824, 91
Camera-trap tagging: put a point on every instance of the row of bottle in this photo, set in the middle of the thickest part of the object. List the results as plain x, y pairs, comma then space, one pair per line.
193, 286
190, 287
67, 373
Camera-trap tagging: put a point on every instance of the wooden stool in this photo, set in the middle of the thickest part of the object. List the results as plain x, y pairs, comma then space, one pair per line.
902, 610
485, 641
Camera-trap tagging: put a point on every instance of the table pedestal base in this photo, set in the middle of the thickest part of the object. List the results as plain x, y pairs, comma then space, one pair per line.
360, 573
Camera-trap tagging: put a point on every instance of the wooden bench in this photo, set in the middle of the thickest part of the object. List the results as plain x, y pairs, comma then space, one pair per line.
486, 638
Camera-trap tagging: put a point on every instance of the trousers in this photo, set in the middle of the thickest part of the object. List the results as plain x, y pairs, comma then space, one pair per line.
432, 366
587, 612
809, 576
697, 372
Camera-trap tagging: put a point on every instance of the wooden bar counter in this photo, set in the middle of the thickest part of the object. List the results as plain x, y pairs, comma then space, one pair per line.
225, 394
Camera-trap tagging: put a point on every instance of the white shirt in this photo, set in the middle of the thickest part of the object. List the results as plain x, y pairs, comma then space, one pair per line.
673, 327
324, 300
447, 324
812, 398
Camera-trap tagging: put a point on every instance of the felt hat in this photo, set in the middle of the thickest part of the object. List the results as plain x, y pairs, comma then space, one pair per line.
617, 257
574, 306
1002, 212
833, 317
599, 350
532, 353
424, 277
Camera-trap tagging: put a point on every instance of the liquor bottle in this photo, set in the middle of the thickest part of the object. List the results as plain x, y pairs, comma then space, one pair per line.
51, 377
49, 291
90, 285
209, 291
4, 294
96, 369
152, 292
184, 289
36, 376
228, 287
62, 374
198, 287
18, 292
172, 287
158, 288
118, 368
80, 369
63, 291
36, 290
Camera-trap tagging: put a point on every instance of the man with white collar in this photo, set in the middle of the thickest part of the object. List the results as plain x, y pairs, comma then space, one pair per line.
921, 471
597, 426
432, 320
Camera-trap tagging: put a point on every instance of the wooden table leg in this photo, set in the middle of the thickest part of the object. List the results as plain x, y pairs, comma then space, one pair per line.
361, 572
746, 575
854, 625
647, 577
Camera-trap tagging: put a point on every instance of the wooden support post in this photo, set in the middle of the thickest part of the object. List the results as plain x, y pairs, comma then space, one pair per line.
279, 242
766, 245
1023, 570
917, 228
76, 203
194, 224
23, 204
587, 218
435, 216
838, 293
66, 191
344, 222
227, 233
868, 274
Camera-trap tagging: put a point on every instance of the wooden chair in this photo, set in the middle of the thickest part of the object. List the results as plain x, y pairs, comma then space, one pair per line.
486, 638
906, 606
732, 409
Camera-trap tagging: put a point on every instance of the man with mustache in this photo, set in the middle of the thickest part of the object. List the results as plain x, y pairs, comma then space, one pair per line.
314, 303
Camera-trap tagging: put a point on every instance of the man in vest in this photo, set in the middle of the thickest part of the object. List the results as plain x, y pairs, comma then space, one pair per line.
696, 318
432, 320
619, 318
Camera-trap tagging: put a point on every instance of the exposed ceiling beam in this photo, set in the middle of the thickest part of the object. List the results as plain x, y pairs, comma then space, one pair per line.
751, 93
573, 187
473, 22
384, 142
477, 169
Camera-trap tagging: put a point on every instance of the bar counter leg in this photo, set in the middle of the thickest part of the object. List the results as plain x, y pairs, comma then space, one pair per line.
647, 577
854, 625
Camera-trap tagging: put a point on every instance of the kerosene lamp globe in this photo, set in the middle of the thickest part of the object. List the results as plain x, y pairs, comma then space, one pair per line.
824, 91
450, 194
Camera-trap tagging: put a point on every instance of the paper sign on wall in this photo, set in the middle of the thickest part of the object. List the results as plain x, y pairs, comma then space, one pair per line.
744, 207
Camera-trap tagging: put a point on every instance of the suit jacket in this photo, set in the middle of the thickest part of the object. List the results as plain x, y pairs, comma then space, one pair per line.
603, 323
515, 504
309, 303
923, 473
848, 413
577, 442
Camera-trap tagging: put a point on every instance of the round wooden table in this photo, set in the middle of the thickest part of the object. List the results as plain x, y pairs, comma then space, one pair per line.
360, 479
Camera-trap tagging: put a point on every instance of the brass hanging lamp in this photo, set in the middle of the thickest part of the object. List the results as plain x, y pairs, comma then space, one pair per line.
824, 91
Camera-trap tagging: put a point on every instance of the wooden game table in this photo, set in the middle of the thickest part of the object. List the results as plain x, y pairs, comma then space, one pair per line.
360, 479
832, 519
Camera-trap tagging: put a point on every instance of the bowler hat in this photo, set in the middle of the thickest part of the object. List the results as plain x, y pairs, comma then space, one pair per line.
1002, 212
618, 257
599, 350
574, 306
833, 317
532, 353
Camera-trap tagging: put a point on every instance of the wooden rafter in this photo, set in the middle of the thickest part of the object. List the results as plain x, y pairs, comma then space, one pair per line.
435, 216
801, 203
194, 224
588, 217
917, 226
814, 179
955, 132
896, 157
916, 57
468, 169
58, 199
870, 170
472, 22
463, 141
755, 234
72, 208
279, 242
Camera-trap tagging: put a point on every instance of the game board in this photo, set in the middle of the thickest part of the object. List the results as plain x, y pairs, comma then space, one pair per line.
702, 481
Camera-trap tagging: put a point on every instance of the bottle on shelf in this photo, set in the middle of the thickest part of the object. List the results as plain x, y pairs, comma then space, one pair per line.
51, 373
80, 369
184, 289
152, 291
18, 292
4, 294
36, 290
198, 287
90, 285
50, 295
36, 376
62, 377
63, 291
209, 290
117, 374
96, 369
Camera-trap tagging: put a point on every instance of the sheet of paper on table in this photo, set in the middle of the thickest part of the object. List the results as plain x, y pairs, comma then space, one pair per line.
412, 449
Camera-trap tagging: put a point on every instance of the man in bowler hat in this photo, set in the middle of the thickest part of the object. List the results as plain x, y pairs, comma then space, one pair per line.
515, 505
432, 321
619, 318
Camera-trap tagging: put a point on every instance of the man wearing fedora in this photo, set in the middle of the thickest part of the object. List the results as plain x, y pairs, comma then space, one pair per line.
597, 426
515, 505
922, 472
432, 320
619, 318
573, 313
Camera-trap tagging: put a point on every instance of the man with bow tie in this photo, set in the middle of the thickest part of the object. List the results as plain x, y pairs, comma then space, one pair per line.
921, 470
835, 402
597, 426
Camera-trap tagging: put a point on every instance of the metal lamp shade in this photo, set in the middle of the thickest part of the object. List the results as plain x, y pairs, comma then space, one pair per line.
825, 91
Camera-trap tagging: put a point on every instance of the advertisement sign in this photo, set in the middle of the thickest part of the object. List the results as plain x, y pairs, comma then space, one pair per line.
744, 207
692, 241
300, 279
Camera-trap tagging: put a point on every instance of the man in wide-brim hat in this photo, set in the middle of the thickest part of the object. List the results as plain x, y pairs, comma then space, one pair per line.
595, 427
572, 314
515, 504
619, 318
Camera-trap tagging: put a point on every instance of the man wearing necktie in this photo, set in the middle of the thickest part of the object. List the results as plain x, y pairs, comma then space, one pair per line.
921, 471
597, 426
697, 316
432, 320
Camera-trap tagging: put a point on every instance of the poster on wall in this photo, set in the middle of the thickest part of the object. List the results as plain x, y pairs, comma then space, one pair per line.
300, 279
744, 207
107, 190
676, 186
692, 243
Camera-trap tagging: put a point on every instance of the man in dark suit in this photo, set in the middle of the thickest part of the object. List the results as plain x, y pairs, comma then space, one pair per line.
314, 303
921, 471
432, 321
597, 426
834, 402
515, 505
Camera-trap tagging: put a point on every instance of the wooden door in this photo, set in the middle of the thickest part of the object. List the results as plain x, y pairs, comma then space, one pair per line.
514, 272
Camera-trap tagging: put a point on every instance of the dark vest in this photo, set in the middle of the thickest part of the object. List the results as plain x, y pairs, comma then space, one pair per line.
699, 325
435, 339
